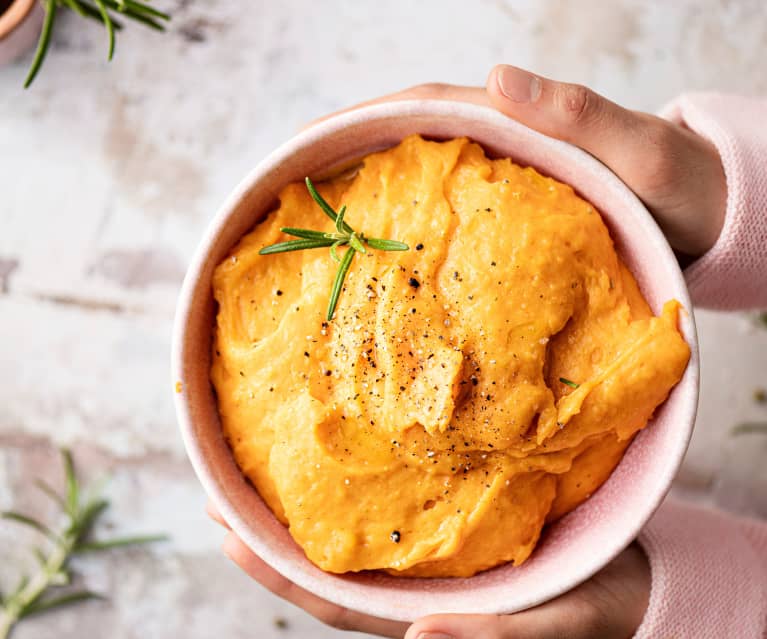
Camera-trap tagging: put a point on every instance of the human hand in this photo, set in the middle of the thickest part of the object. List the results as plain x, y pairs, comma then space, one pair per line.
327, 612
608, 606
675, 172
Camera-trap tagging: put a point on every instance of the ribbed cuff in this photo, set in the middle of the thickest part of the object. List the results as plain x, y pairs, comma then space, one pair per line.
708, 579
733, 274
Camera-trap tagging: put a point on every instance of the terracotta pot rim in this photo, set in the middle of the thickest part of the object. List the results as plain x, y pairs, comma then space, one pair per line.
15, 15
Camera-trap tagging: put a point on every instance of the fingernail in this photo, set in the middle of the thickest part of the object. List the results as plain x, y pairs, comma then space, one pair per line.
434, 635
518, 85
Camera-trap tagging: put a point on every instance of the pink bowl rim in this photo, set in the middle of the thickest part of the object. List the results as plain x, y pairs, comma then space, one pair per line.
355, 596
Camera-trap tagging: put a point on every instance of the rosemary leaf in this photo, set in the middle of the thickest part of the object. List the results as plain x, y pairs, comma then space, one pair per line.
75, 6
137, 15
89, 11
26, 520
386, 245
109, 25
40, 556
88, 517
43, 43
567, 382
333, 252
325, 206
50, 492
320, 200
23, 582
95, 546
340, 219
72, 489
140, 7
356, 244
145, 20
338, 283
51, 603
295, 245
305, 233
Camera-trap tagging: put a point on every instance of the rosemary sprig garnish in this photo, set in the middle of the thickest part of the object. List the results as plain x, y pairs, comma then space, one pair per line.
45, 589
98, 10
344, 235
567, 382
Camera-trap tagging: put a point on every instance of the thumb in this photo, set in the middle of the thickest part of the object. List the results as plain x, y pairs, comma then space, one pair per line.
677, 173
569, 112
540, 624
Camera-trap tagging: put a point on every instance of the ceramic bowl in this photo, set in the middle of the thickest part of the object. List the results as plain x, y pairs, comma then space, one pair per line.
571, 550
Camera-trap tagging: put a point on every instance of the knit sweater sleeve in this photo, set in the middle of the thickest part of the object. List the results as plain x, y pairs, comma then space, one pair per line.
733, 273
709, 575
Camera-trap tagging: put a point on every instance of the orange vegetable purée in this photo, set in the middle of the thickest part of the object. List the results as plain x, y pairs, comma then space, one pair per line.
424, 430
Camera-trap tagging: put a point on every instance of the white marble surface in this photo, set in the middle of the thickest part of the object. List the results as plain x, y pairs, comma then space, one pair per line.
110, 172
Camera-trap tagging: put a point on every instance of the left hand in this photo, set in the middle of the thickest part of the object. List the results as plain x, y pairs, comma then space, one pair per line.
328, 613
608, 606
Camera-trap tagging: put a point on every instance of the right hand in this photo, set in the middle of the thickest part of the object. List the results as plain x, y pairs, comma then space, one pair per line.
675, 172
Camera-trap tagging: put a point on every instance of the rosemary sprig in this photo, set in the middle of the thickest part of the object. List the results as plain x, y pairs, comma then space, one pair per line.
98, 10
344, 235
41, 591
44, 42
567, 382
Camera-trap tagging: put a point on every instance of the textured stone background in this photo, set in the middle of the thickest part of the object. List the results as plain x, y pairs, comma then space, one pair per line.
110, 172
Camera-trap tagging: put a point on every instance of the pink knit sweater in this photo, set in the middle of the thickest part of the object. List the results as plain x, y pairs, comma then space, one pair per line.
709, 570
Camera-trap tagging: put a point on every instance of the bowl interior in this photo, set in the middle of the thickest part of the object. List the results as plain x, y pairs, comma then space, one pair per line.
572, 549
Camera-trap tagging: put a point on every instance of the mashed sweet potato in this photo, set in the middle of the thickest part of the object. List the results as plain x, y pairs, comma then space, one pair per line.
425, 429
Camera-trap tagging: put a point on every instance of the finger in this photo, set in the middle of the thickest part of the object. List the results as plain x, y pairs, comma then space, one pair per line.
432, 91
327, 612
574, 113
611, 604
520, 626
565, 111
213, 513
570, 615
